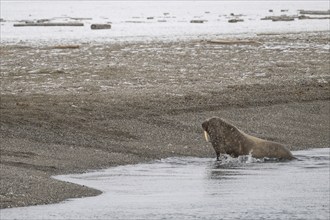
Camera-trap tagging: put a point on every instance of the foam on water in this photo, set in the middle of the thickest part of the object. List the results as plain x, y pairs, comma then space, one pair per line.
199, 188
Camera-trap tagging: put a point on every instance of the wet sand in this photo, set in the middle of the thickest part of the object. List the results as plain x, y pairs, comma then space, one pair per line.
101, 105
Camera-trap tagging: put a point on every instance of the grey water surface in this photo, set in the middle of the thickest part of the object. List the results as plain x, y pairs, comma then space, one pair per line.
200, 188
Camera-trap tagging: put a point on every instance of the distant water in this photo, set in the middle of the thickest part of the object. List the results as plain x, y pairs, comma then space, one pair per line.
148, 20
196, 188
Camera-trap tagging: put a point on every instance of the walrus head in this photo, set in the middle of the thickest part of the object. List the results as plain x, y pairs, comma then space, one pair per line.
216, 127
216, 131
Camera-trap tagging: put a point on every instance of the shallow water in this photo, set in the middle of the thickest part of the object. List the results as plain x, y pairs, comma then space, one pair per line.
145, 20
199, 188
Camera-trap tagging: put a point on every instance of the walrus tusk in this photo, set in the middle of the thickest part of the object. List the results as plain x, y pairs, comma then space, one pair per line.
206, 136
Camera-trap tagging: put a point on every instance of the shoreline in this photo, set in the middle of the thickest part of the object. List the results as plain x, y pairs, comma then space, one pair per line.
103, 105
145, 39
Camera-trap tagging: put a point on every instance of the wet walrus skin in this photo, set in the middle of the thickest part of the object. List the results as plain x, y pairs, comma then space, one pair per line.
228, 139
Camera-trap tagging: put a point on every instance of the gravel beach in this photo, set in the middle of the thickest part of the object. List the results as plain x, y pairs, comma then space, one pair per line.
70, 110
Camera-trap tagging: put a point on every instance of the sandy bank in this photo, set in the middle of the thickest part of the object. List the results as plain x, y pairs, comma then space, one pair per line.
101, 105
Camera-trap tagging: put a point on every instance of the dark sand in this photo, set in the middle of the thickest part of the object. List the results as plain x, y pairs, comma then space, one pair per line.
73, 110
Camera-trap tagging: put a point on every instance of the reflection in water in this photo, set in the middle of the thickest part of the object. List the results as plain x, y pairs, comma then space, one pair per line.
200, 188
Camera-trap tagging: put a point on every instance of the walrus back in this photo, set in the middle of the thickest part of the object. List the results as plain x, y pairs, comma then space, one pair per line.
272, 149
263, 148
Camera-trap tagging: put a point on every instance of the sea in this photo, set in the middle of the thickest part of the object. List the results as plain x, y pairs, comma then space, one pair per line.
152, 20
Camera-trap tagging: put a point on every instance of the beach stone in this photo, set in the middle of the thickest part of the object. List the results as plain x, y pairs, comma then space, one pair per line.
235, 20
198, 21
100, 26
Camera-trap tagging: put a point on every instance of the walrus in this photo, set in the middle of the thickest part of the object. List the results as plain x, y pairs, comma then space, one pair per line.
227, 139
